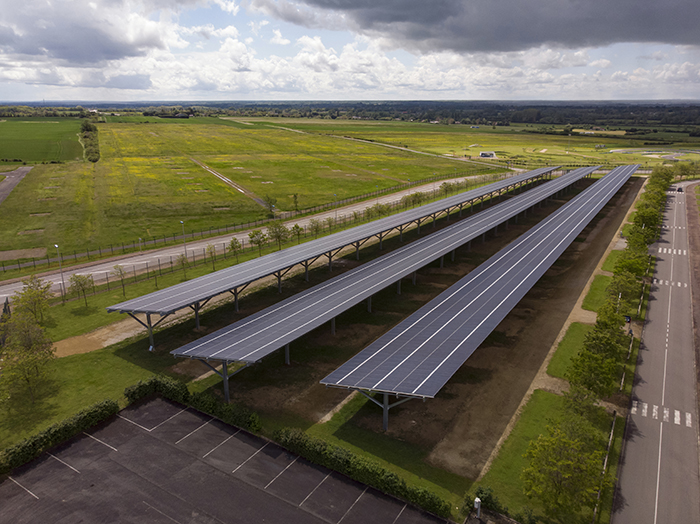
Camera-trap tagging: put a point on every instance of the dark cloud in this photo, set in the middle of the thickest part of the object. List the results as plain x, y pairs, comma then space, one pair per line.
503, 25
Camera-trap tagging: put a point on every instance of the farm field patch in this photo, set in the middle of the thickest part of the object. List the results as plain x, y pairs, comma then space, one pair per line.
40, 140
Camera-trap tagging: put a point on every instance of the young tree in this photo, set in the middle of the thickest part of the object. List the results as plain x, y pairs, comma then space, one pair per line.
211, 251
295, 196
81, 284
235, 247
297, 231
278, 232
34, 297
26, 355
315, 226
182, 263
270, 203
563, 475
257, 238
119, 272
595, 372
329, 222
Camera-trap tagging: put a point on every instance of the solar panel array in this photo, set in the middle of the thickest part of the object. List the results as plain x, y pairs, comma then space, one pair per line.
417, 357
258, 335
171, 299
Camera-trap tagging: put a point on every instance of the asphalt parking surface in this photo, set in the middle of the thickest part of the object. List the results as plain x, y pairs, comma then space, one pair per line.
158, 462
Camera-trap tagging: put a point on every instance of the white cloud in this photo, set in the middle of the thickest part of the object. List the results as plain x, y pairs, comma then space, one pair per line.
256, 26
278, 39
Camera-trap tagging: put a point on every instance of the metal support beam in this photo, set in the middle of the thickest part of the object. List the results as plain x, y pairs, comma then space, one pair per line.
398, 287
286, 354
452, 256
333, 326
225, 379
442, 261
381, 236
150, 332
385, 405
279, 281
148, 325
357, 251
369, 304
330, 260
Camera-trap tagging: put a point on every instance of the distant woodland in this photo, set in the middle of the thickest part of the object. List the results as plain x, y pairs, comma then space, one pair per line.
670, 113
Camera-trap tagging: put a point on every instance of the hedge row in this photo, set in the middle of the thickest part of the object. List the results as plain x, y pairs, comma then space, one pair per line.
33, 446
204, 402
360, 469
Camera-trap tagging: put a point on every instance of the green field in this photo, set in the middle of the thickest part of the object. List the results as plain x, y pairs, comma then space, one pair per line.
568, 348
147, 181
40, 140
515, 143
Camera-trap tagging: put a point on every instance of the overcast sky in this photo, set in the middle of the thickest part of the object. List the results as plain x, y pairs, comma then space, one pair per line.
125, 50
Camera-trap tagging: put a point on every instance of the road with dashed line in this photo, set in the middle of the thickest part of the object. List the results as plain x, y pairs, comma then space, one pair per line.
659, 480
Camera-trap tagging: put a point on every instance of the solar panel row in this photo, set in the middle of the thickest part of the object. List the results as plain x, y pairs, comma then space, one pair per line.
417, 357
262, 333
171, 299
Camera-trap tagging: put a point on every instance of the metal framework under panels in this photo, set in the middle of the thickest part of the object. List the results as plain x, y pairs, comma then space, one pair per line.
253, 338
416, 358
195, 293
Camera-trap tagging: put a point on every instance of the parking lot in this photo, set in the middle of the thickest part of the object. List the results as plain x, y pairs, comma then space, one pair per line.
162, 463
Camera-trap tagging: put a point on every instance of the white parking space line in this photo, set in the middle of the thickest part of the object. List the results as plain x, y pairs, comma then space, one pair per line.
666, 414
634, 407
134, 423
194, 431
224, 442
25, 489
655, 412
687, 421
101, 442
280, 473
677, 417
314, 490
168, 419
65, 464
246, 460
353, 505
400, 513
644, 409
159, 511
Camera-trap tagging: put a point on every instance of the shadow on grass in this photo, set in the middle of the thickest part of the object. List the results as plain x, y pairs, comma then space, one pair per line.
20, 414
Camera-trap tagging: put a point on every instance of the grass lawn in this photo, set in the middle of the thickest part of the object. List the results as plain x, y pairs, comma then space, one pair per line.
596, 295
609, 264
568, 348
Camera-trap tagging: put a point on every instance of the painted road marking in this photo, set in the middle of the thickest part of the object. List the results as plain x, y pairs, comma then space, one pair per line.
677, 414
25, 489
64, 463
101, 442
194, 431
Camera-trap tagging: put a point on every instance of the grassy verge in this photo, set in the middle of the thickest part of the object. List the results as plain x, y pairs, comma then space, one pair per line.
596, 295
606, 498
404, 459
78, 381
568, 348
609, 264
504, 475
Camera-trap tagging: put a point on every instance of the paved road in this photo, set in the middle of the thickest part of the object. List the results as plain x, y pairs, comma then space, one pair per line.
659, 481
13, 178
138, 262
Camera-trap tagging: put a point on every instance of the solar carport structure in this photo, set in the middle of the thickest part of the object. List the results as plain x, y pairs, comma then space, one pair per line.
196, 293
416, 358
266, 331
